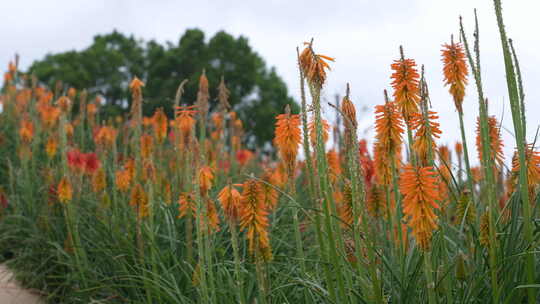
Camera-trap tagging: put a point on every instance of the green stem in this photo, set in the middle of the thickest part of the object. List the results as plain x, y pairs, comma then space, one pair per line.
153, 244
310, 175
202, 210
517, 114
259, 269
398, 216
296, 223
358, 192
325, 194
487, 162
187, 172
297, 235
429, 278
466, 156
237, 264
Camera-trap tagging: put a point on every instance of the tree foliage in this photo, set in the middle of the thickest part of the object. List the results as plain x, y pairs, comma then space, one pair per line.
257, 93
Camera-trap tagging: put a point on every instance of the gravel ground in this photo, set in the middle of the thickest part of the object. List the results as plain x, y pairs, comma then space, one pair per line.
12, 293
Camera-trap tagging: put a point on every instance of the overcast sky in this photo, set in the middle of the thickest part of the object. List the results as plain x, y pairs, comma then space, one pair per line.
362, 35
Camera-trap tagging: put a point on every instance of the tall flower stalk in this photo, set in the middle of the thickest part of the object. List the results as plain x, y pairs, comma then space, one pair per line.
358, 196
136, 122
254, 220
203, 238
311, 179
419, 187
287, 140
455, 76
314, 67
389, 130
406, 85
230, 200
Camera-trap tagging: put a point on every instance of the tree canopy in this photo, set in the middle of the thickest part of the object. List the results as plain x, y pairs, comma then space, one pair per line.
257, 93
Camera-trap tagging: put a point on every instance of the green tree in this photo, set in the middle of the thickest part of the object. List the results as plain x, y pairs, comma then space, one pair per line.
258, 94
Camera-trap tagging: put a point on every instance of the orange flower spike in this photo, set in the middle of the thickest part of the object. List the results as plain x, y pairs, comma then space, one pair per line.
314, 65
136, 87
139, 201
235, 143
167, 191
278, 177
420, 195
349, 111
206, 177
405, 81
49, 115
212, 216
254, 218
26, 130
8, 77
65, 191
445, 163
136, 105
99, 181
124, 177
383, 171
129, 166
203, 95
69, 130
91, 109
203, 83
45, 97
159, 122
186, 204
238, 125
345, 208
147, 121
12, 68
287, 138
270, 194
149, 171
422, 140
184, 119
147, 146
217, 119
375, 201
496, 140
496, 144
334, 164
459, 149
105, 136
122, 180
532, 161
243, 156
22, 100
388, 127
64, 103
313, 131
229, 198
444, 154
476, 173
51, 146
455, 72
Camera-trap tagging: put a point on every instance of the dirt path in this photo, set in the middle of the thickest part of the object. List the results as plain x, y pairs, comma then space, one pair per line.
12, 293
